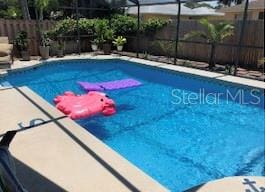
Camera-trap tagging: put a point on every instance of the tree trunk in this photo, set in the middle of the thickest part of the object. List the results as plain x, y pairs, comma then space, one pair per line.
212, 57
25, 9
38, 26
41, 14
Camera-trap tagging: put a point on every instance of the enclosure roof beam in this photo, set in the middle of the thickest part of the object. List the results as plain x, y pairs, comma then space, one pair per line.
159, 3
177, 31
241, 36
136, 2
84, 8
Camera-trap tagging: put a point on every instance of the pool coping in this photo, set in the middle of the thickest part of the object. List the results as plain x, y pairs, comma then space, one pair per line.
180, 69
235, 183
65, 137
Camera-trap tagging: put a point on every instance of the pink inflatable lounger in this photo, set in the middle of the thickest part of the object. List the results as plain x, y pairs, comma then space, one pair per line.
82, 106
111, 85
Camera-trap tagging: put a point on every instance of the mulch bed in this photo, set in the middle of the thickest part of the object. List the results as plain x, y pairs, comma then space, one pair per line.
249, 74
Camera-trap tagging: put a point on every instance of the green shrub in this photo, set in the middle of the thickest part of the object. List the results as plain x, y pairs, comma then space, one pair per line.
108, 35
86, 26
21, 41
152, 25
45, 39
69, 27
100, 28
124, 25
63, 28
101, 25
120, 24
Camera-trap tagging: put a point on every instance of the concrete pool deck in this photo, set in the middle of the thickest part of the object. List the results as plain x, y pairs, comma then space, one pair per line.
61, 156
232, 184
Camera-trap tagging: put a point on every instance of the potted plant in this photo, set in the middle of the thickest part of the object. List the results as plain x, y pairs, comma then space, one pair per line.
45, 46
107, 40
60, 48
21, 43
119, 42
94, 44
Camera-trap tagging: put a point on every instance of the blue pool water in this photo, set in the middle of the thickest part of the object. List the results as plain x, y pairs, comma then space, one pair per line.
178, 144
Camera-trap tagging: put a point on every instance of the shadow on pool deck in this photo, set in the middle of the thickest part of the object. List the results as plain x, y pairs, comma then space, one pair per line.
115, 173
194, 189
33, 180
53, 153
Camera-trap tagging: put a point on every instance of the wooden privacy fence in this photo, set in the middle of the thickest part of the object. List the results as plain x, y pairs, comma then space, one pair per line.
253, 38
226, 53
11, 27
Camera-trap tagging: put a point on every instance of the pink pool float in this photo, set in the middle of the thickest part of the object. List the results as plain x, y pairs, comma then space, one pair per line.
83, 106
110, 85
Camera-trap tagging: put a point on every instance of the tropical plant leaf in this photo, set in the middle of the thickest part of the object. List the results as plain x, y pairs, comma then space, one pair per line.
210, 29
194, 34
216, 33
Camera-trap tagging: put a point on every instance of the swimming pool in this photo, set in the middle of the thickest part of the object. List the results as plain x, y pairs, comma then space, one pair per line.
180, 144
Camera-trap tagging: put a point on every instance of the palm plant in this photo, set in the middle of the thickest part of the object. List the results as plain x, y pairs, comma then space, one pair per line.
40, 6
119, 41
215, 33
167, 47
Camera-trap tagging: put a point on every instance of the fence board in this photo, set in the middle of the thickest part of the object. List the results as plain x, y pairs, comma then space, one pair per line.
254, 36
200, 52
11, 27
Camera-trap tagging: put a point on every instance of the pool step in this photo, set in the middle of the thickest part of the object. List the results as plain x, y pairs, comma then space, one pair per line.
5, 84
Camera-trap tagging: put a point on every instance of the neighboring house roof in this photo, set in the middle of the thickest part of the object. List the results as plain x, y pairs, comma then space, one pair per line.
253, 5
172, 9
